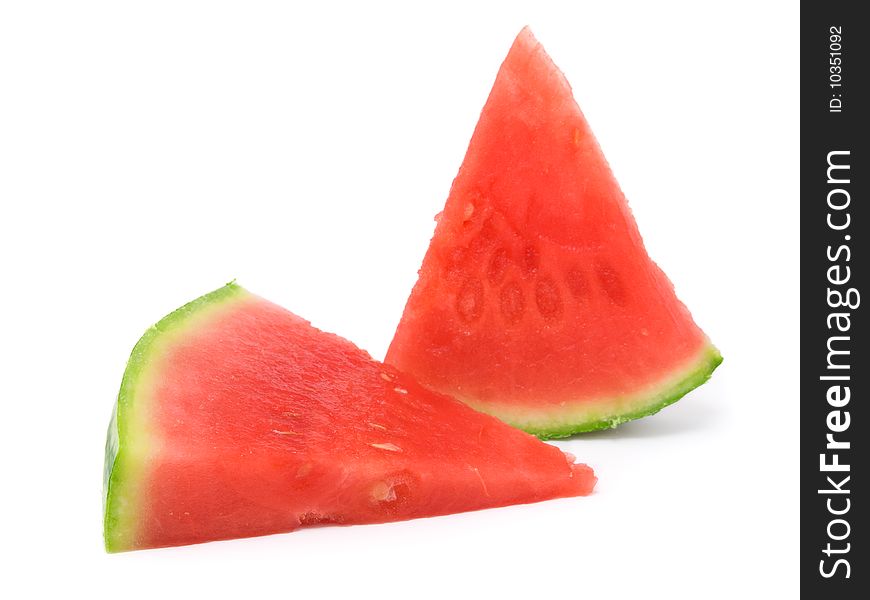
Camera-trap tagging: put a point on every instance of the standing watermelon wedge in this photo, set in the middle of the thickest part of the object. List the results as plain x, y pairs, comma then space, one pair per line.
537, 301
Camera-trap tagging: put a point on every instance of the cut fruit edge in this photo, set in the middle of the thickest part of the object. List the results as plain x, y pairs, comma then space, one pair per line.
129, 441
568, 418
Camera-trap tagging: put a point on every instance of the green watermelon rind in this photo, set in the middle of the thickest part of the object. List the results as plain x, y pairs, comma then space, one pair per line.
646, 404
117, 469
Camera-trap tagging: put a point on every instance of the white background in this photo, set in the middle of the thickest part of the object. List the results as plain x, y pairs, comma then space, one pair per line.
150, 153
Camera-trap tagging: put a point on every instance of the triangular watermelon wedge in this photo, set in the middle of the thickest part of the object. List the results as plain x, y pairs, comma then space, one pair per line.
237, 418
537, 301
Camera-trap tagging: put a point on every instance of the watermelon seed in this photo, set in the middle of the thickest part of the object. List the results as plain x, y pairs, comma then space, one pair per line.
578, 136
455, 262
376, 426
531, 258
383, 492
577, 284
512, 303
547, 298
386, 376
498, 264
386, 446
400, 390
612, 284
469, 210
469, 301
487, 232
284, 432
482, 482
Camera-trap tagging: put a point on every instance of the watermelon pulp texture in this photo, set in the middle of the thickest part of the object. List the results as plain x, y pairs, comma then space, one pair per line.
536, 300
237, 418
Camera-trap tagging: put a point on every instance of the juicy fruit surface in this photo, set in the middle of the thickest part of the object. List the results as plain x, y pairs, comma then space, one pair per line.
536, 300
238, 418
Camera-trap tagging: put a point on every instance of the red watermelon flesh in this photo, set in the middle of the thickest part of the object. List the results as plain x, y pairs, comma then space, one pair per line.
237, 418
536, 300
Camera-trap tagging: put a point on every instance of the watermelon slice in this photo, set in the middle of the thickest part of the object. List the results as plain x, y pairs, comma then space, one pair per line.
537, 301
237, 418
